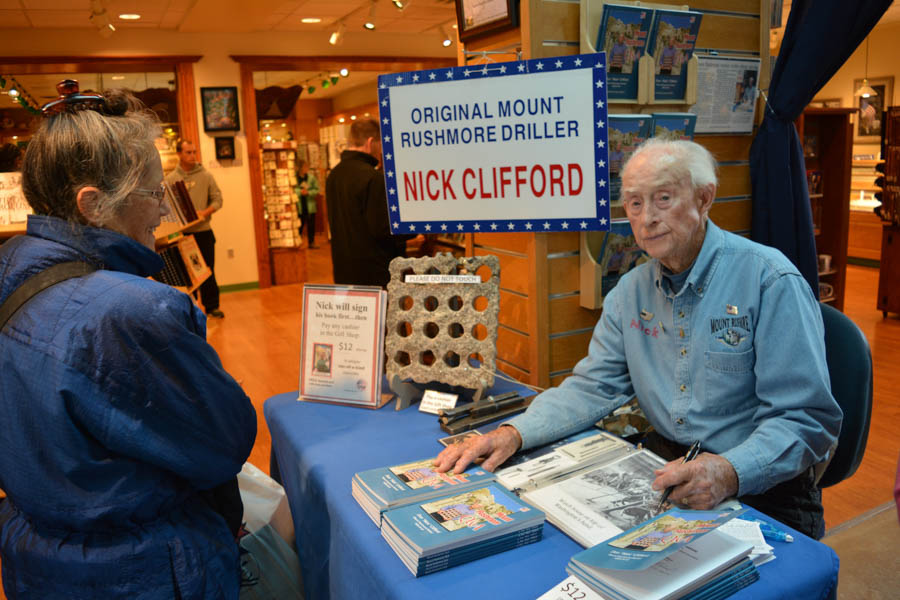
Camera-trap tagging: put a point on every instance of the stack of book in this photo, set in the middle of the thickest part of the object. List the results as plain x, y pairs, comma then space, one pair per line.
678, 554
459, 528
381, 489
174, 272
180, 203
184, 264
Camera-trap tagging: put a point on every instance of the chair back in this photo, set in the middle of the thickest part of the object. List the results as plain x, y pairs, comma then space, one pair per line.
850, 370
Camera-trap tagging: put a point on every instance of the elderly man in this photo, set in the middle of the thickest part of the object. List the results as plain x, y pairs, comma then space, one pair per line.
720, 339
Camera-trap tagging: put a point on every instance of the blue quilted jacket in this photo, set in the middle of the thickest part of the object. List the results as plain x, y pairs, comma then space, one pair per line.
114, 413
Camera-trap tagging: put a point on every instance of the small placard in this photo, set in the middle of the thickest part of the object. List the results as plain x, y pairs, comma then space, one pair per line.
433, 401
570, 588
441, 278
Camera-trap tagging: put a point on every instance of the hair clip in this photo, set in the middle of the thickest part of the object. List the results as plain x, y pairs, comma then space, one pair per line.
72, 100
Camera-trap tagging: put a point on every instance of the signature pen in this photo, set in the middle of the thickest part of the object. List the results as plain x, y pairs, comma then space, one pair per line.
692, 453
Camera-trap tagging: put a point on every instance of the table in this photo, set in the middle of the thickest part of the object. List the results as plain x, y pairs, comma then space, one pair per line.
318, 448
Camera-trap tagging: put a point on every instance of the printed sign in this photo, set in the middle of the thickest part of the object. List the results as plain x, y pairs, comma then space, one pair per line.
500, 147
341, 344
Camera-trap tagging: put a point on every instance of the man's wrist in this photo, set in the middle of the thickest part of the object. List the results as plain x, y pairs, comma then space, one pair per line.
516, 437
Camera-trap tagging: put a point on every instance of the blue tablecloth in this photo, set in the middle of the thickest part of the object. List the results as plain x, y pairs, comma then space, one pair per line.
318, 448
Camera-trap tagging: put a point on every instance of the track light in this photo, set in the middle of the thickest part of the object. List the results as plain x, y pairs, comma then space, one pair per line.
344, 72
100, 19
370, 20
402, 4
445, 37
337, 36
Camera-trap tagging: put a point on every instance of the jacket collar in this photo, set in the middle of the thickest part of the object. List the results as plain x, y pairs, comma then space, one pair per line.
105, 248
357, 155
704, 265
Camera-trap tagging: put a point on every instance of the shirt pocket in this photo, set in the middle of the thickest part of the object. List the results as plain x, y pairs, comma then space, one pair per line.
730, 381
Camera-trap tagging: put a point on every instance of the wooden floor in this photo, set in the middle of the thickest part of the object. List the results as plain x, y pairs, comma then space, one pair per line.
259, 343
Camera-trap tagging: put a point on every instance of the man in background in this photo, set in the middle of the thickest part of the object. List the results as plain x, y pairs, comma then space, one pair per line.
207, 199
362, 246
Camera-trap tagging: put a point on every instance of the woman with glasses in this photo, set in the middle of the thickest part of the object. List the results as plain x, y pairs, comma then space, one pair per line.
122, 431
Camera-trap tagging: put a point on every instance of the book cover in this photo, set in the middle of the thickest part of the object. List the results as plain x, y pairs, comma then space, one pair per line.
671, 43
183, 197
619, 253
196, 267
674, 126
623, 35
458, 520
602, 502
626, 133
412, 481
673, 572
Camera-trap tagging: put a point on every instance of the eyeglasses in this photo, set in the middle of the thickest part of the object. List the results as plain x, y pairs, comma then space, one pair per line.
159, 194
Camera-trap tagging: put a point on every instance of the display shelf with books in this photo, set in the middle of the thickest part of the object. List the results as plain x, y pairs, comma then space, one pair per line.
280, 200
827, 148
184, 267
650, 50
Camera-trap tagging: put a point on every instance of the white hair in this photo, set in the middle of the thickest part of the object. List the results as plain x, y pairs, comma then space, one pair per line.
681, 159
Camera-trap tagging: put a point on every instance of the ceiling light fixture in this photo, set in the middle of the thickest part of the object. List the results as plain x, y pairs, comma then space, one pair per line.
337, 36
370, 21
402, 4
344, 72
866, 90
13, 93
100, 19
446, 41
310, 20
130, 16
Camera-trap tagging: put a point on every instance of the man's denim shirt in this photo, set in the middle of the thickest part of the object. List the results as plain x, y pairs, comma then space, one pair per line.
736, 360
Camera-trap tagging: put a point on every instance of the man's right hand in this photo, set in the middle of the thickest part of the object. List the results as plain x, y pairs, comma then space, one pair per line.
496, 446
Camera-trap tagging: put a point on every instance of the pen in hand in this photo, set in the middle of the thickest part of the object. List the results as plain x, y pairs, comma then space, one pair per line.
692, 453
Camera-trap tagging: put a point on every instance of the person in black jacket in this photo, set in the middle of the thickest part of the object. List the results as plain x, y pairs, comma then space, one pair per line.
362, 246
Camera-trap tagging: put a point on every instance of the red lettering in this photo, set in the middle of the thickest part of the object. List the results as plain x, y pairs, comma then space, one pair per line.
534, 190
575, 168
556, 178
410, 188
504, 180
428, 177
481, 185
468, 173
445, 184
520, 179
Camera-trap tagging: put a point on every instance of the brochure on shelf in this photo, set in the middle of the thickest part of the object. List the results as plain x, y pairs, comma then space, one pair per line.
623, 35
672, 39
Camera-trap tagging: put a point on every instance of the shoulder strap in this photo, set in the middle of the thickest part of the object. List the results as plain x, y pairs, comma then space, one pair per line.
39, 282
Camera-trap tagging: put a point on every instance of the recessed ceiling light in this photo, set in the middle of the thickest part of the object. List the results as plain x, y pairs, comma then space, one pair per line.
310, 20
344, 72
129, 16
341, 119
118, 77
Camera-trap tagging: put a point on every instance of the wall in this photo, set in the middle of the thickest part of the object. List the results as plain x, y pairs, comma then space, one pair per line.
234, 223
884, 46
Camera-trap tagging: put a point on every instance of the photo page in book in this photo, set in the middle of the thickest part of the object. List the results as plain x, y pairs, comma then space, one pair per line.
604, 501
531, 469
623, 35
671, 43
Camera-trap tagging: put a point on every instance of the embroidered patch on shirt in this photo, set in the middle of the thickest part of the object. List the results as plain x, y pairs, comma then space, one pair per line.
731, 331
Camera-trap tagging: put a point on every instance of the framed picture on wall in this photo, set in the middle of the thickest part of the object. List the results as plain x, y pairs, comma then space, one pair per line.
225, 148
868, 120
479, 18
220, 109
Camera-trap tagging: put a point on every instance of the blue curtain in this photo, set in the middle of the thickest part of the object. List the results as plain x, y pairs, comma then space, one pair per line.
819, 37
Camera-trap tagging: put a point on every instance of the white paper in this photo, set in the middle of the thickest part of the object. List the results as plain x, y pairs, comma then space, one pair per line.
433, 401
571, 588
726, 94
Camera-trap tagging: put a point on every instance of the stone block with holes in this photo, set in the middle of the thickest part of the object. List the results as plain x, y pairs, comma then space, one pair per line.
443, 329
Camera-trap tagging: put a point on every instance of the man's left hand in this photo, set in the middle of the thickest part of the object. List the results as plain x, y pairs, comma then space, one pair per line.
701, 483
203, 214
